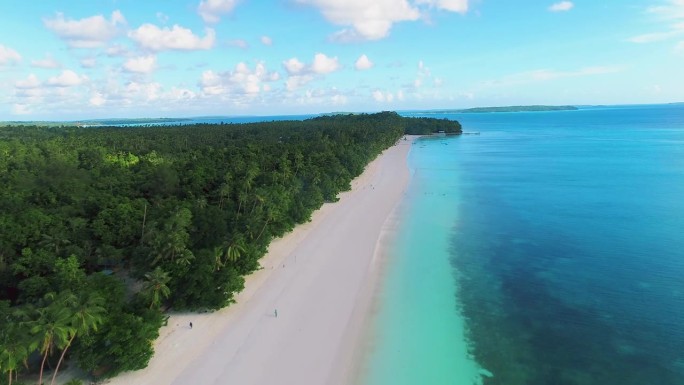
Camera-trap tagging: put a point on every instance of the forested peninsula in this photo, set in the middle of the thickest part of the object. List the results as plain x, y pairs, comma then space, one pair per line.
534, 108
103, 229
481, 110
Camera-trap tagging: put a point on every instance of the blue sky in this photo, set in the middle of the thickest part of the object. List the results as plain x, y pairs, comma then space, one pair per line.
83, 59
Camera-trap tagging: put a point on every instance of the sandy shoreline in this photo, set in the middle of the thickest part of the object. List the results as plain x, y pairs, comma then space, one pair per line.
320, 278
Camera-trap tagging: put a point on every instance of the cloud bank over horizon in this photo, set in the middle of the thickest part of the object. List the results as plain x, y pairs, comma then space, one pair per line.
302, 56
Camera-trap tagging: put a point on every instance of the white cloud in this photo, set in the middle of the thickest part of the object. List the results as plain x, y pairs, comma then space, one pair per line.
21, 109
8, 55
67, 78
382, 97
210, 79
655, 36
242, 80
141, 64
460, 6
88, 62
363, 63
323, 64
339, 99
294, 82
211, 10
674, 9
181, 94
671, 13
373, 20
117, 50
89, 32
136, 94
30, 82
48, 62
97, 99
146, 91
293, 66
266, 40
423, 73
423, 70
322, 97
54, 97
151, 37
30, 91
243, 76
210, 82
561, 6
300, 73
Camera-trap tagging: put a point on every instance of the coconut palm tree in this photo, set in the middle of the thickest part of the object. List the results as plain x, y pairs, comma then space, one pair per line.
218, 252
224, 192
235, 250
87, 313
170, 241
53, 242
51, 325
156, 286
14, 349
228, 252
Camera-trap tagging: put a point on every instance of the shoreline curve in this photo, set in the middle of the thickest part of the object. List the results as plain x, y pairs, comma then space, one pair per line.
320, 278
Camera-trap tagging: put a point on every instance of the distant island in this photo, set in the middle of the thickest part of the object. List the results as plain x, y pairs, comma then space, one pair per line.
95, 122
125, 121
519, 109
535, 108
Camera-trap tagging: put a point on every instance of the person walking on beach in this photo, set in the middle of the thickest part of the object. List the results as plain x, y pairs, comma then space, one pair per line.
190, 325
276, 313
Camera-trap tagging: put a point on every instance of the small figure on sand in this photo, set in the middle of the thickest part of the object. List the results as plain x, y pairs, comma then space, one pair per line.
276, 313
190, 325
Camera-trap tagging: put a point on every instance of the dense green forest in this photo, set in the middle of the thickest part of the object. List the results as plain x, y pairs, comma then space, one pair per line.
103, 229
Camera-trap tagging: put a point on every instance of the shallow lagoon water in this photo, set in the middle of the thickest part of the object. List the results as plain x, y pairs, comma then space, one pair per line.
546, 250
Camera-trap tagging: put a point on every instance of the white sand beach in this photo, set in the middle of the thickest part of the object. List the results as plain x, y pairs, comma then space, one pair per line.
320, 278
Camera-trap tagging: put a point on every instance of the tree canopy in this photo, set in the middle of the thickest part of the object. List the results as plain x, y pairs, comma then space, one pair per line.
101, 229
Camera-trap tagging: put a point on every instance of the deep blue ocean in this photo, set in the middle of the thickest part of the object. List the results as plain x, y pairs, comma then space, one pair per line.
565, 245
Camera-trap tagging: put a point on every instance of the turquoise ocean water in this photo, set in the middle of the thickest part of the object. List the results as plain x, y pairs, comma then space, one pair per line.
548, 250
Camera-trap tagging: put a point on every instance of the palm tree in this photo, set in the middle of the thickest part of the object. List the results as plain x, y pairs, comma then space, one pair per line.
201, 203
51, 325
156, 286
53, 242
185, 258
14, 349
235, 250
224, 192
87, 313
171, 240
218, 258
